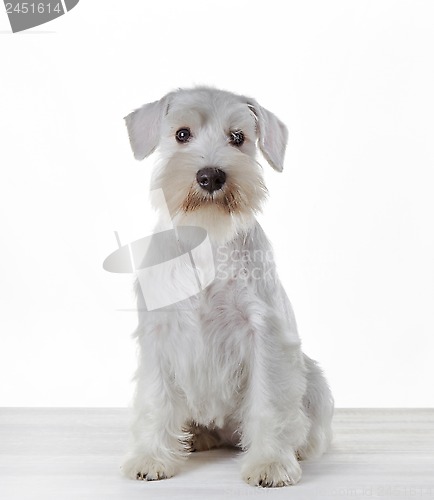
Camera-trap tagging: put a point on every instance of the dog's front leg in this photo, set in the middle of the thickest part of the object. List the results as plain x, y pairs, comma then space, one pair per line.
274, 425
159, 437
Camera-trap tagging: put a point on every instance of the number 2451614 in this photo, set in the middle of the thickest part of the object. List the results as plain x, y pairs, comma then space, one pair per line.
33, 8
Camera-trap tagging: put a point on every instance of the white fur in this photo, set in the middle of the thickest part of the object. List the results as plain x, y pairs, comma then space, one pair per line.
224, 366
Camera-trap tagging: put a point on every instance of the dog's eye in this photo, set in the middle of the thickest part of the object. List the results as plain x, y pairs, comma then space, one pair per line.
236, 138
183, 135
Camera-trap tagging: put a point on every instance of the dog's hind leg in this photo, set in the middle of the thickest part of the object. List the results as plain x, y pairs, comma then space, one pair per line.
203, 438
318, 404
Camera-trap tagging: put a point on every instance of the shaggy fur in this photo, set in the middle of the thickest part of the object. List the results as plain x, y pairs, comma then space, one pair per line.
224, 366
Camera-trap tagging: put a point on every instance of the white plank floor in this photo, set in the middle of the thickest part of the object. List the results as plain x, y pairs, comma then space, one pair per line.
68, 454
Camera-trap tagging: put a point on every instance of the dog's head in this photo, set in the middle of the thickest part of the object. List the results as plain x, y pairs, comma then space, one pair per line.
207, 140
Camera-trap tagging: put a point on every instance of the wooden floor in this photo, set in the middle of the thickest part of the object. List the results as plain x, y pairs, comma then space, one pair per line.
67, 454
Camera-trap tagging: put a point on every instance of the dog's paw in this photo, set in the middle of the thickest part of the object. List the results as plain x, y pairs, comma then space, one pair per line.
273, 474
145, 468
203, 439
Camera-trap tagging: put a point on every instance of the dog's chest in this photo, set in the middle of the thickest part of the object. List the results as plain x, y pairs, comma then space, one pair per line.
216, 390
210, 366
215, 374
221, 342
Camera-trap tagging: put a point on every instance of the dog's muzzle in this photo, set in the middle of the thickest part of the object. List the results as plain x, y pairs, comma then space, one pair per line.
211, 179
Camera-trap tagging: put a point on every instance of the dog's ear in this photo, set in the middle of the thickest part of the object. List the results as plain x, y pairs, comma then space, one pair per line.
273, 135
144, 127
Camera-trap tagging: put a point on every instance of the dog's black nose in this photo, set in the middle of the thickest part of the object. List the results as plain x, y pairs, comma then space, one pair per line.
211, 179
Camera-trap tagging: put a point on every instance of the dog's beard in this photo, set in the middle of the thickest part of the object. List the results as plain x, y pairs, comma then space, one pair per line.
229, 199
223, 212
243, 192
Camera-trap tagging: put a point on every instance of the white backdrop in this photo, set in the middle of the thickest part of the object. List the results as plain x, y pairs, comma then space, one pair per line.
350, 218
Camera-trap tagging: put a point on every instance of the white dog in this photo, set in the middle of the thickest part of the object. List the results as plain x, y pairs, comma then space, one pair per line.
222, 366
